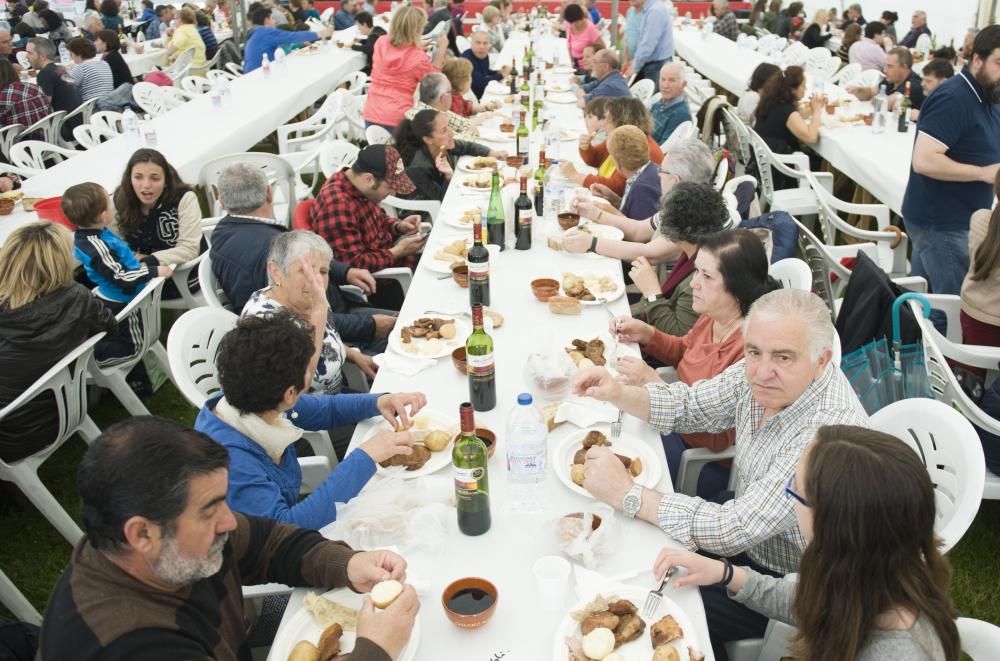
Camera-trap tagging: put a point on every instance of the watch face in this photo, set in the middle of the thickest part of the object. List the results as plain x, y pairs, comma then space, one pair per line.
631, 505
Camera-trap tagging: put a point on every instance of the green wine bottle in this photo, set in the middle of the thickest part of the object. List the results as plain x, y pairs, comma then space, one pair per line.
525, 92
539, 178
522, 137
496, 226
480, 366
472, 483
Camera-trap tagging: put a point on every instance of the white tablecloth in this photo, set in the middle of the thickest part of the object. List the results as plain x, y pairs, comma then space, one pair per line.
197, 131
505, 554
880, 163
152, 56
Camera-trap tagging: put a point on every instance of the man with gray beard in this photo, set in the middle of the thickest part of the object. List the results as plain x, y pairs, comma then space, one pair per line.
158, 574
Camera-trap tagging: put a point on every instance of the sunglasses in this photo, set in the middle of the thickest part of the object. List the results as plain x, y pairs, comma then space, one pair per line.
790, 492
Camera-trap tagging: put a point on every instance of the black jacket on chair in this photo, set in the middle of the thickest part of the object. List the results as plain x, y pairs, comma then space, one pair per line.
866, 313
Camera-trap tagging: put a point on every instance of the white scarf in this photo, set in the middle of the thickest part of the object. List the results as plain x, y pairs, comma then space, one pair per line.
273, 438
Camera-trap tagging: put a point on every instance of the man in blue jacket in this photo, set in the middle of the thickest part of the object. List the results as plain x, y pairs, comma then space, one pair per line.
265, 38
240, 244
479, 55
262, 366
606, 69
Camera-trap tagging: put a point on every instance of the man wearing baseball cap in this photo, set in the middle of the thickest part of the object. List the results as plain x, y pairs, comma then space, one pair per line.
347, 213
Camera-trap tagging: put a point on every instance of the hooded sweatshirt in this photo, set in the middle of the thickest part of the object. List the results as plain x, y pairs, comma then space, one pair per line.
33, 338
396, 72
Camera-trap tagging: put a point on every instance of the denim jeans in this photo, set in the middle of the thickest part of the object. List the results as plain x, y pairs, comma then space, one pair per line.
651, 70
939, 256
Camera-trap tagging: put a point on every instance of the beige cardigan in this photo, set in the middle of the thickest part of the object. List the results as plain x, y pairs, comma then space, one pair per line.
981, 300
188, 236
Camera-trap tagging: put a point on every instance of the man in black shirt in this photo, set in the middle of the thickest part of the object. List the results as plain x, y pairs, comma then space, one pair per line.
898, 72
371, 33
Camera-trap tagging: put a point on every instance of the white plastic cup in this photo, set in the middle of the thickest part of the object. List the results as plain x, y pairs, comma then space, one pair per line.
494, 251
552, 578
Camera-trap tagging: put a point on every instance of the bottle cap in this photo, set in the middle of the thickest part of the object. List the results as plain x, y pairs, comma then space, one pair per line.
524, 399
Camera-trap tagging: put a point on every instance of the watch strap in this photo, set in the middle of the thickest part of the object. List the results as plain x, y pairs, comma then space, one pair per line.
632, 501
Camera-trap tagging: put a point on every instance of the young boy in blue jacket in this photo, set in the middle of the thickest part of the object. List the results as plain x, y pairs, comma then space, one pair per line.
109, 264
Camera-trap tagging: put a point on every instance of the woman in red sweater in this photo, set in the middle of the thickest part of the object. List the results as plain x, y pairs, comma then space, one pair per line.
730, 274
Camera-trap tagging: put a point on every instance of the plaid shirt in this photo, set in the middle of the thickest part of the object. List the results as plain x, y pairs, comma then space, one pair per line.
463, 128
727, 26
358, 230
23, 103
760, 520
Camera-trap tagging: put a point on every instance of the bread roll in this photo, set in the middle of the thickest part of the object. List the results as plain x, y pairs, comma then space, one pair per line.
304, 651
564, 305
599, 643
385, 593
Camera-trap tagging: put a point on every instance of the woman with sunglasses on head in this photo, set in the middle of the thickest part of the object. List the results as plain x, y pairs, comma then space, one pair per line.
872, 582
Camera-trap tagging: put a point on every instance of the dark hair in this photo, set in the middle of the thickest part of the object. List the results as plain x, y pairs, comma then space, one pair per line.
109, 38
23, 30
624, 110
939, 68
202, 19
598, 106
127, 205
147, 3
852, 34
8, 74
987, 41
161, 9
779, 90
874, 28
91, 4
793, 10
53, 21
109, 8
141, 466
259, 15
987, 255
410, 133
573, 13
261, 358
82, 47
890, 16
944, 53
762, 74
364, 18
691, 212
742, 264
82, 203
873, 546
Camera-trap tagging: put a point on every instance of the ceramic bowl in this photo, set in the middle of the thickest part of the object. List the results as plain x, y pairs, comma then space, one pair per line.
470, 621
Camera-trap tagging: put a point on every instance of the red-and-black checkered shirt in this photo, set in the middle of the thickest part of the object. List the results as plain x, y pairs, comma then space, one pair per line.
22, 103
358, 230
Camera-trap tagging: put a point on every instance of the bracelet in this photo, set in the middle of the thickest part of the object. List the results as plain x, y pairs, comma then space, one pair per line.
727, 574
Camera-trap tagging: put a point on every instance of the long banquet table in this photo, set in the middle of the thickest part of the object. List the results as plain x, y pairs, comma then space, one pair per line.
880, 163
505, 554
198, 131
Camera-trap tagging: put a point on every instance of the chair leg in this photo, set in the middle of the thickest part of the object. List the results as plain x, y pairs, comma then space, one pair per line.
88, 430
27, 480
17, 602
119, 386
161, 356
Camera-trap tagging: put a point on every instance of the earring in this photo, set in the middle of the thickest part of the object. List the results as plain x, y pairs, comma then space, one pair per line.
277, 284
295, 415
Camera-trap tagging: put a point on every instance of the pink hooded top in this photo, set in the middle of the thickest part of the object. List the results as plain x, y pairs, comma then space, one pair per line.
396, 72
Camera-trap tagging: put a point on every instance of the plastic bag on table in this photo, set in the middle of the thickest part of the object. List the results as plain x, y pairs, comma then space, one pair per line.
550, 373
409, 514
589, 536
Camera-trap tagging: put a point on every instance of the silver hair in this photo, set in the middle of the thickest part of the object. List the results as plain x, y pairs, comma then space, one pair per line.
678, 66
44, 47
289, 247
242, 187
432, 87
690, 160
807, 306
721, 4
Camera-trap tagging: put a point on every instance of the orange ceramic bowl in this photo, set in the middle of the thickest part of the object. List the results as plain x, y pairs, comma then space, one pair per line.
568, 219
459, 361
460, 273
478, 619
488, 438
544, 288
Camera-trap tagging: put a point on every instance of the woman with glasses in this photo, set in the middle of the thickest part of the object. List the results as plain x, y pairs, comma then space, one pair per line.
872, 583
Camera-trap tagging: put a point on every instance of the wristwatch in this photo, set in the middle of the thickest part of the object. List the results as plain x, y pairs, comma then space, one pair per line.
593, 245
632, 501
653, 297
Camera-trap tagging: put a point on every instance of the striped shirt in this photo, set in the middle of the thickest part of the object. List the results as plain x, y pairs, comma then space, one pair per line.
93, 78
760, 520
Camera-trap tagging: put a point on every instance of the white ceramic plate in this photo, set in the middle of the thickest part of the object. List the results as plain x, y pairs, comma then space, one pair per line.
302, 626
435, 421
473, 190
455, 220
568, 136
558, 88
608, 296
640, 648
445, 347
466, 166
600, 231
439, 265
625, 445
561, 97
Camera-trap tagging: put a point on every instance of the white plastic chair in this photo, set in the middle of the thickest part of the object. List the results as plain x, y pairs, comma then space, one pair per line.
683, 131
351, 126
796, 53
234, 68
214, 75
825, 262
356, 83
280, 175
191, 349
109, 120
22, 59
150, 98
924, 43
336, 155
48, 125
376, 135
869, 78
181, 278
464, 44
196, 84
211, 290
30, 155
181, 65
845, 75
89, 136
792, 273
729, 188
66, 381
143, 309
644, 89
84, 111
980, 640
949, 447
938, 350
308, 134
8, 134
800, 201
326, 17
16, 602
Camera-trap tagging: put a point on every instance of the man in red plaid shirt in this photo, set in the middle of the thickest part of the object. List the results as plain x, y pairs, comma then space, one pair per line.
347, 213
20, 103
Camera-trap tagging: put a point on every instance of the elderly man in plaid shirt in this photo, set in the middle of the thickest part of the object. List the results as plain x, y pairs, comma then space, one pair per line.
725, 23
776, 399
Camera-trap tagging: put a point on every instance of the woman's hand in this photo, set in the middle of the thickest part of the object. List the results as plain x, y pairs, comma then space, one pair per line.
393, 408
634, 372
602, 191
816, 103
364, 362
576, 241
387, 444
700, 570
629, 329
499, 154
644, 276
442, 164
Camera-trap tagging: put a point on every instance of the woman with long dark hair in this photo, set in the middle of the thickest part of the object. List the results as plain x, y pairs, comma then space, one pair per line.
430, 151
872, 582
748, 102
155, 212
778, 120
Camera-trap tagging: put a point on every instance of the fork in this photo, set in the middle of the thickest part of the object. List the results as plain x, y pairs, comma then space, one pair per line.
654, 597
616, 427
460, 313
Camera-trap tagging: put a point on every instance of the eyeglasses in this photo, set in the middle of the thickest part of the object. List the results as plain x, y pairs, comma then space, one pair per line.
792, 494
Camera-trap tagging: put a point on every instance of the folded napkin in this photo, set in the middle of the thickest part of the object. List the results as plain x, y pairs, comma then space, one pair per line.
588, 582
585, 412
405, 365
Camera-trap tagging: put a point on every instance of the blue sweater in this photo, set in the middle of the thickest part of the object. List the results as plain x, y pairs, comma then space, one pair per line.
613, 85
668, 116
266, 40
481, 73
110, 264
260, 487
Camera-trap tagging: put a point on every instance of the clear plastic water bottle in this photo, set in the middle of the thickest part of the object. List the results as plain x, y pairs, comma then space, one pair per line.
879, 108
527, 451
224, 89
553, 191
265, 64
149, 132
63, 53
279, 56
130, 123
216, 96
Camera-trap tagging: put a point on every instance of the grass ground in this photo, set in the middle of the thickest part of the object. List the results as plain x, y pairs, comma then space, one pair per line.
33, 554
